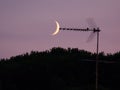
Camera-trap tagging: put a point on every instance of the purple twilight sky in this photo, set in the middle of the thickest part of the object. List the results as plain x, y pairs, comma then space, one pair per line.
27, 25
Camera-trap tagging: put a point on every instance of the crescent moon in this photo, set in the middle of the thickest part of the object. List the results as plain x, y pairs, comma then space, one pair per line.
57, 28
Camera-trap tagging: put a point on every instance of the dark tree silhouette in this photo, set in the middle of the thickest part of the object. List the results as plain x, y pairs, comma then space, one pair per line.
59, 69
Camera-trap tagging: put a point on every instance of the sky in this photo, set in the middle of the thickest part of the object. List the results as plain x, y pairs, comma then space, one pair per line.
27, 25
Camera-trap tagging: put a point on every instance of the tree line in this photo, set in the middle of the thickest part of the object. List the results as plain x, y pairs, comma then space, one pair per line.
59, 69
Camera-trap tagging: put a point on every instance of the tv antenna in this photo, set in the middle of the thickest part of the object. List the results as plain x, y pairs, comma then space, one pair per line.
94, 30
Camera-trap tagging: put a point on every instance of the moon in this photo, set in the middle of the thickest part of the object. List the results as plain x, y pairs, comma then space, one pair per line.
57, 28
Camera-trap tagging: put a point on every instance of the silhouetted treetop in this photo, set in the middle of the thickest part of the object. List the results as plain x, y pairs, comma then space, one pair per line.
58, 52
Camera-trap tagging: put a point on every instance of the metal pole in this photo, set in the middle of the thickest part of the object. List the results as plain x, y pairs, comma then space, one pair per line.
97, 48
97, 53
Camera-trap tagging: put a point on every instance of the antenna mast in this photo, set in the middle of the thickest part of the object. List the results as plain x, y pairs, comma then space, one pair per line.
97, 30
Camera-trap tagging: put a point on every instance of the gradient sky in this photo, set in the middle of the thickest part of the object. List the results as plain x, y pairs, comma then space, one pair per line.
27, 25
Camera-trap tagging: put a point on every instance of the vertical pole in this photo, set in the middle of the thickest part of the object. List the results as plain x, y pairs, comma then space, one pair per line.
97, 53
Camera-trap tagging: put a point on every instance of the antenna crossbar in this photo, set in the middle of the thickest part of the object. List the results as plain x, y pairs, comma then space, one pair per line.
75, 29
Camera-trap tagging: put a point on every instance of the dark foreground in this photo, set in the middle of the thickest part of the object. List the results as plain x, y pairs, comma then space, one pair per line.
58, 70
